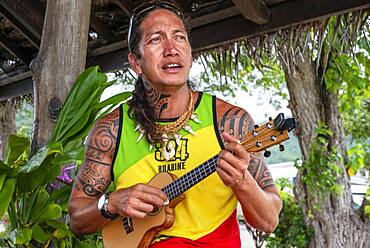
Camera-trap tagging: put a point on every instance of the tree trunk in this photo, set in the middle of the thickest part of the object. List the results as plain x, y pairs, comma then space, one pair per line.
335, 224
7, 124
61, 58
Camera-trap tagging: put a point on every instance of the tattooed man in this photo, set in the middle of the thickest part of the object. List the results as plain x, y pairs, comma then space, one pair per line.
168, 127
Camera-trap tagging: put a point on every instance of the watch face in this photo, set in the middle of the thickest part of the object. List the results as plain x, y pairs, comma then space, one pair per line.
101, 202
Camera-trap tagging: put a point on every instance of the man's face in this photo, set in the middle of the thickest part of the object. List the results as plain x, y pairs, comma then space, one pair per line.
165, 51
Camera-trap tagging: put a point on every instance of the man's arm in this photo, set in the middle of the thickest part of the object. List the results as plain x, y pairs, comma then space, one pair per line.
245, 173
94, 177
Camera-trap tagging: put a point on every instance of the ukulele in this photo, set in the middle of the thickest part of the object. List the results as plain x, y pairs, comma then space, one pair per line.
132, 233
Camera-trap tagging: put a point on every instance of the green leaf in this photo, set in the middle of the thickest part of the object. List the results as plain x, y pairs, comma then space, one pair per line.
29, 182
40, 205
116, 99
51, 173
4, 168
84, 87
52, 211
81, 244
39, 157
20, 236
39, 235
72, 155
6, 195
2, 179
61, 195
79, 118
61, 229
16, 146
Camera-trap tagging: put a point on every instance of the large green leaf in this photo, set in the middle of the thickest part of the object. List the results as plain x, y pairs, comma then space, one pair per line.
84, 87
52, 211
70, 156
113, 100
39, 235
51, 173
4, 168
79, 118
28, 182
21, 236
61, 194
16, 146
40, 205
2, 179
6, 195
61, 229
39, 157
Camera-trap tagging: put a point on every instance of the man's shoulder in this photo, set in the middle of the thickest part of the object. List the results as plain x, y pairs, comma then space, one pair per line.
109, 121
224, 107
113, 115
233, 119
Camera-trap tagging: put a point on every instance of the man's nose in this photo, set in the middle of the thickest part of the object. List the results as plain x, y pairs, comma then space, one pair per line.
170, 48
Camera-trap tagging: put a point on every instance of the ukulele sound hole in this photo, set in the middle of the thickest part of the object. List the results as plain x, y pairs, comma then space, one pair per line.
155, 211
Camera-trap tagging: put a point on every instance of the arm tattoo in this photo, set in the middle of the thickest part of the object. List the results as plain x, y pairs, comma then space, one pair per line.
258, 169
157, 100
93, 184
94, 175
237, 122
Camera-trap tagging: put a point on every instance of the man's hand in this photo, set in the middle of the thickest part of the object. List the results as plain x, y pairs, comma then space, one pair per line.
233, 161
136, 201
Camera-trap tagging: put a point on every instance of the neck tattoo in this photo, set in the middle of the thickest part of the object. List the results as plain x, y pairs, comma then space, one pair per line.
158, 101
168, 132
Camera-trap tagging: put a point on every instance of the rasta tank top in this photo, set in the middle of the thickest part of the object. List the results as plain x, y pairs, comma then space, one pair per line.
209, 203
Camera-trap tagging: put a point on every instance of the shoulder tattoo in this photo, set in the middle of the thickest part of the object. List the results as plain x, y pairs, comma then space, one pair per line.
235, 121
94, 175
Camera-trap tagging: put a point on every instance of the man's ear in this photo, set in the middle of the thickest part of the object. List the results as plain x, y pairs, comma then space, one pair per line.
135, 63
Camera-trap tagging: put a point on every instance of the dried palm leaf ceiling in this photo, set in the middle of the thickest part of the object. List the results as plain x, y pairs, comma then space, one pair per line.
214, 23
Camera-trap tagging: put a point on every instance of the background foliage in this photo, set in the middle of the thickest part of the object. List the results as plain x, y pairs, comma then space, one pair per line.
36, 210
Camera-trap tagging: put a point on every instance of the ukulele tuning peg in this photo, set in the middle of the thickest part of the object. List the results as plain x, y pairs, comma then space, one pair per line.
256, 126
267, 154
281, 147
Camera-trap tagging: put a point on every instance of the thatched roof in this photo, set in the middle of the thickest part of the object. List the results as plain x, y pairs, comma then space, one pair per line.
214, 24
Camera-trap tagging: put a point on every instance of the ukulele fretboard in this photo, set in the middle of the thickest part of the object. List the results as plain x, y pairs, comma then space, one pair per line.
191, 178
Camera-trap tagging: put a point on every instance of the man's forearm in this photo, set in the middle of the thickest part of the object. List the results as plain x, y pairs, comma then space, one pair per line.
85, 216
261, 208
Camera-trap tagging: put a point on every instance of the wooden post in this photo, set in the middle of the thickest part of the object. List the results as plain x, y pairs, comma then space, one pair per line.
61, 58
7, 124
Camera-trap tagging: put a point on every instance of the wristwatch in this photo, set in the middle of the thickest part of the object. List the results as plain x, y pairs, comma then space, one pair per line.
103, 207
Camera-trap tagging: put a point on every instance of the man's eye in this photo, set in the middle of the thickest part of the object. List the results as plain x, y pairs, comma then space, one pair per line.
154, 40
181, 37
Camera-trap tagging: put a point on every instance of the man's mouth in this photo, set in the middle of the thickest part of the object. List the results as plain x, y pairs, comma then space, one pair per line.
172, 67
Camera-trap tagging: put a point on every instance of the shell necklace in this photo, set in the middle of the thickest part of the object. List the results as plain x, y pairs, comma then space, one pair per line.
166, 133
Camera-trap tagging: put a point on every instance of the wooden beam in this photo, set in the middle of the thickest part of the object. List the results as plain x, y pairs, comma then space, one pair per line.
19, 88
125, 5
100, 27
272, 2
219, 32
214, 17
26, 17
282, 16
12, 47
254, 10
